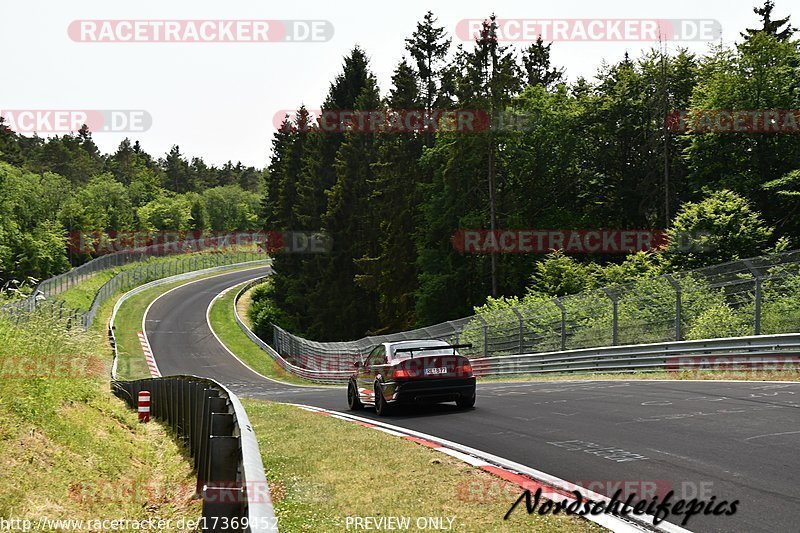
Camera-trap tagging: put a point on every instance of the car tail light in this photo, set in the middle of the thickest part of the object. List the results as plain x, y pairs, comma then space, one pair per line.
401, 373
464, 369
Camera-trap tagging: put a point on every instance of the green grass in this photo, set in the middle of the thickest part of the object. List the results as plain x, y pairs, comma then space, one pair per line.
80, 296
69, 449
131, 363
321, 470
224, 324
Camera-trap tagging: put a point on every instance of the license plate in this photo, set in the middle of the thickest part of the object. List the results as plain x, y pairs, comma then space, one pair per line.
434, 371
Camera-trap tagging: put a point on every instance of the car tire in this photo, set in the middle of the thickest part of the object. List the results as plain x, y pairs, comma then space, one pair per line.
353, 401
466, 403
382, 407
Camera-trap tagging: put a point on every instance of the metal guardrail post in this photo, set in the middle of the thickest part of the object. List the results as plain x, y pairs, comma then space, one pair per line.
757, 304
485, 335
614, 316
563, 309
678, 311
521, 330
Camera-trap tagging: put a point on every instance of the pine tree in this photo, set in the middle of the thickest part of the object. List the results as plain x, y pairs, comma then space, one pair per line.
176, 171
9, 145
769, 26
464, 191
314, 160
428, 46
350, 223
391, 274
537, 65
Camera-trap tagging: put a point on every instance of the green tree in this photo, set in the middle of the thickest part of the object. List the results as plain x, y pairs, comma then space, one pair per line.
350, 223
763, 73
9, 145
467, 185
41, 251
317, 175
769, 26
230, 208
428, 47
176, 172
559, 275
391, 274
723, 227
537, 65
166, 214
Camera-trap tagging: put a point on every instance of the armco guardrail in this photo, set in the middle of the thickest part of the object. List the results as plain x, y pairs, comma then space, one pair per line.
764, 352
759, 352
753, 296
313, 371
211, 421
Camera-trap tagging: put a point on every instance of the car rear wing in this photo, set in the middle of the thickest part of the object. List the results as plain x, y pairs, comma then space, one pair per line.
453, 347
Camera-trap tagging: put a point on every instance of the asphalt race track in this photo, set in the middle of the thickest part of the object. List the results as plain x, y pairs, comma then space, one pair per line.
732, 441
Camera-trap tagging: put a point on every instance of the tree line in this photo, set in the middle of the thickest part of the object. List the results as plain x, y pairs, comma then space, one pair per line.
60, 186
597, 154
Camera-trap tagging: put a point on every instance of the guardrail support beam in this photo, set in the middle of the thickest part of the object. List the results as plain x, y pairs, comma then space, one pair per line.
678, 311
563, 309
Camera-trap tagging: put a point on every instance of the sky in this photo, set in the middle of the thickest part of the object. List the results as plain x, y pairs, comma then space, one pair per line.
218, 100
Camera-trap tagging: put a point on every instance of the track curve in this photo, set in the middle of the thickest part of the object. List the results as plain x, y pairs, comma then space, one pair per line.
731, 440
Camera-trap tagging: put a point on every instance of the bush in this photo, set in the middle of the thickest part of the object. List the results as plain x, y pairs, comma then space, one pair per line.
723, 227
720, 320
780, 307
263, 313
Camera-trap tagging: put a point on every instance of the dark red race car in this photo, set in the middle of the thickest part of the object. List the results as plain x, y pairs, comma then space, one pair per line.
412, 372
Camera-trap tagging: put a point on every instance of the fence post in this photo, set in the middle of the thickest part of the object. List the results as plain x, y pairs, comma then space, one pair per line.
677, 287
521, 329
757, 310
563, 309
614, 321
485, 335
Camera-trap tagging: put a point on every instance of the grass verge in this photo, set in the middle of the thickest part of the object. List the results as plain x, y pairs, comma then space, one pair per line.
322, 470
69, 448
224, 323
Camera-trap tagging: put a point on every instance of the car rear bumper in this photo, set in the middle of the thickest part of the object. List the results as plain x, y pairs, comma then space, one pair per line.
433, 390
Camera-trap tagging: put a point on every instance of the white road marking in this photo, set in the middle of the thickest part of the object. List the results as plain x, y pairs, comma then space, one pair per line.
772, 435
611, 522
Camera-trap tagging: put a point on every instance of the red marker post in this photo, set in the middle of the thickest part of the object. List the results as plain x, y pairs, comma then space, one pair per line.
144, 406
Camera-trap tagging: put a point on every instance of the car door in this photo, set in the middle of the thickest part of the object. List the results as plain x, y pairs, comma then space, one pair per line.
372, 367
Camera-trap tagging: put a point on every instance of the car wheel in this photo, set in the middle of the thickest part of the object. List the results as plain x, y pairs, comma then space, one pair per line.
353, 401
466, 403
381, 405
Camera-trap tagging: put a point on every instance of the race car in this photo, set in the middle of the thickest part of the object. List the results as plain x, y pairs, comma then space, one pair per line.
416, 371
